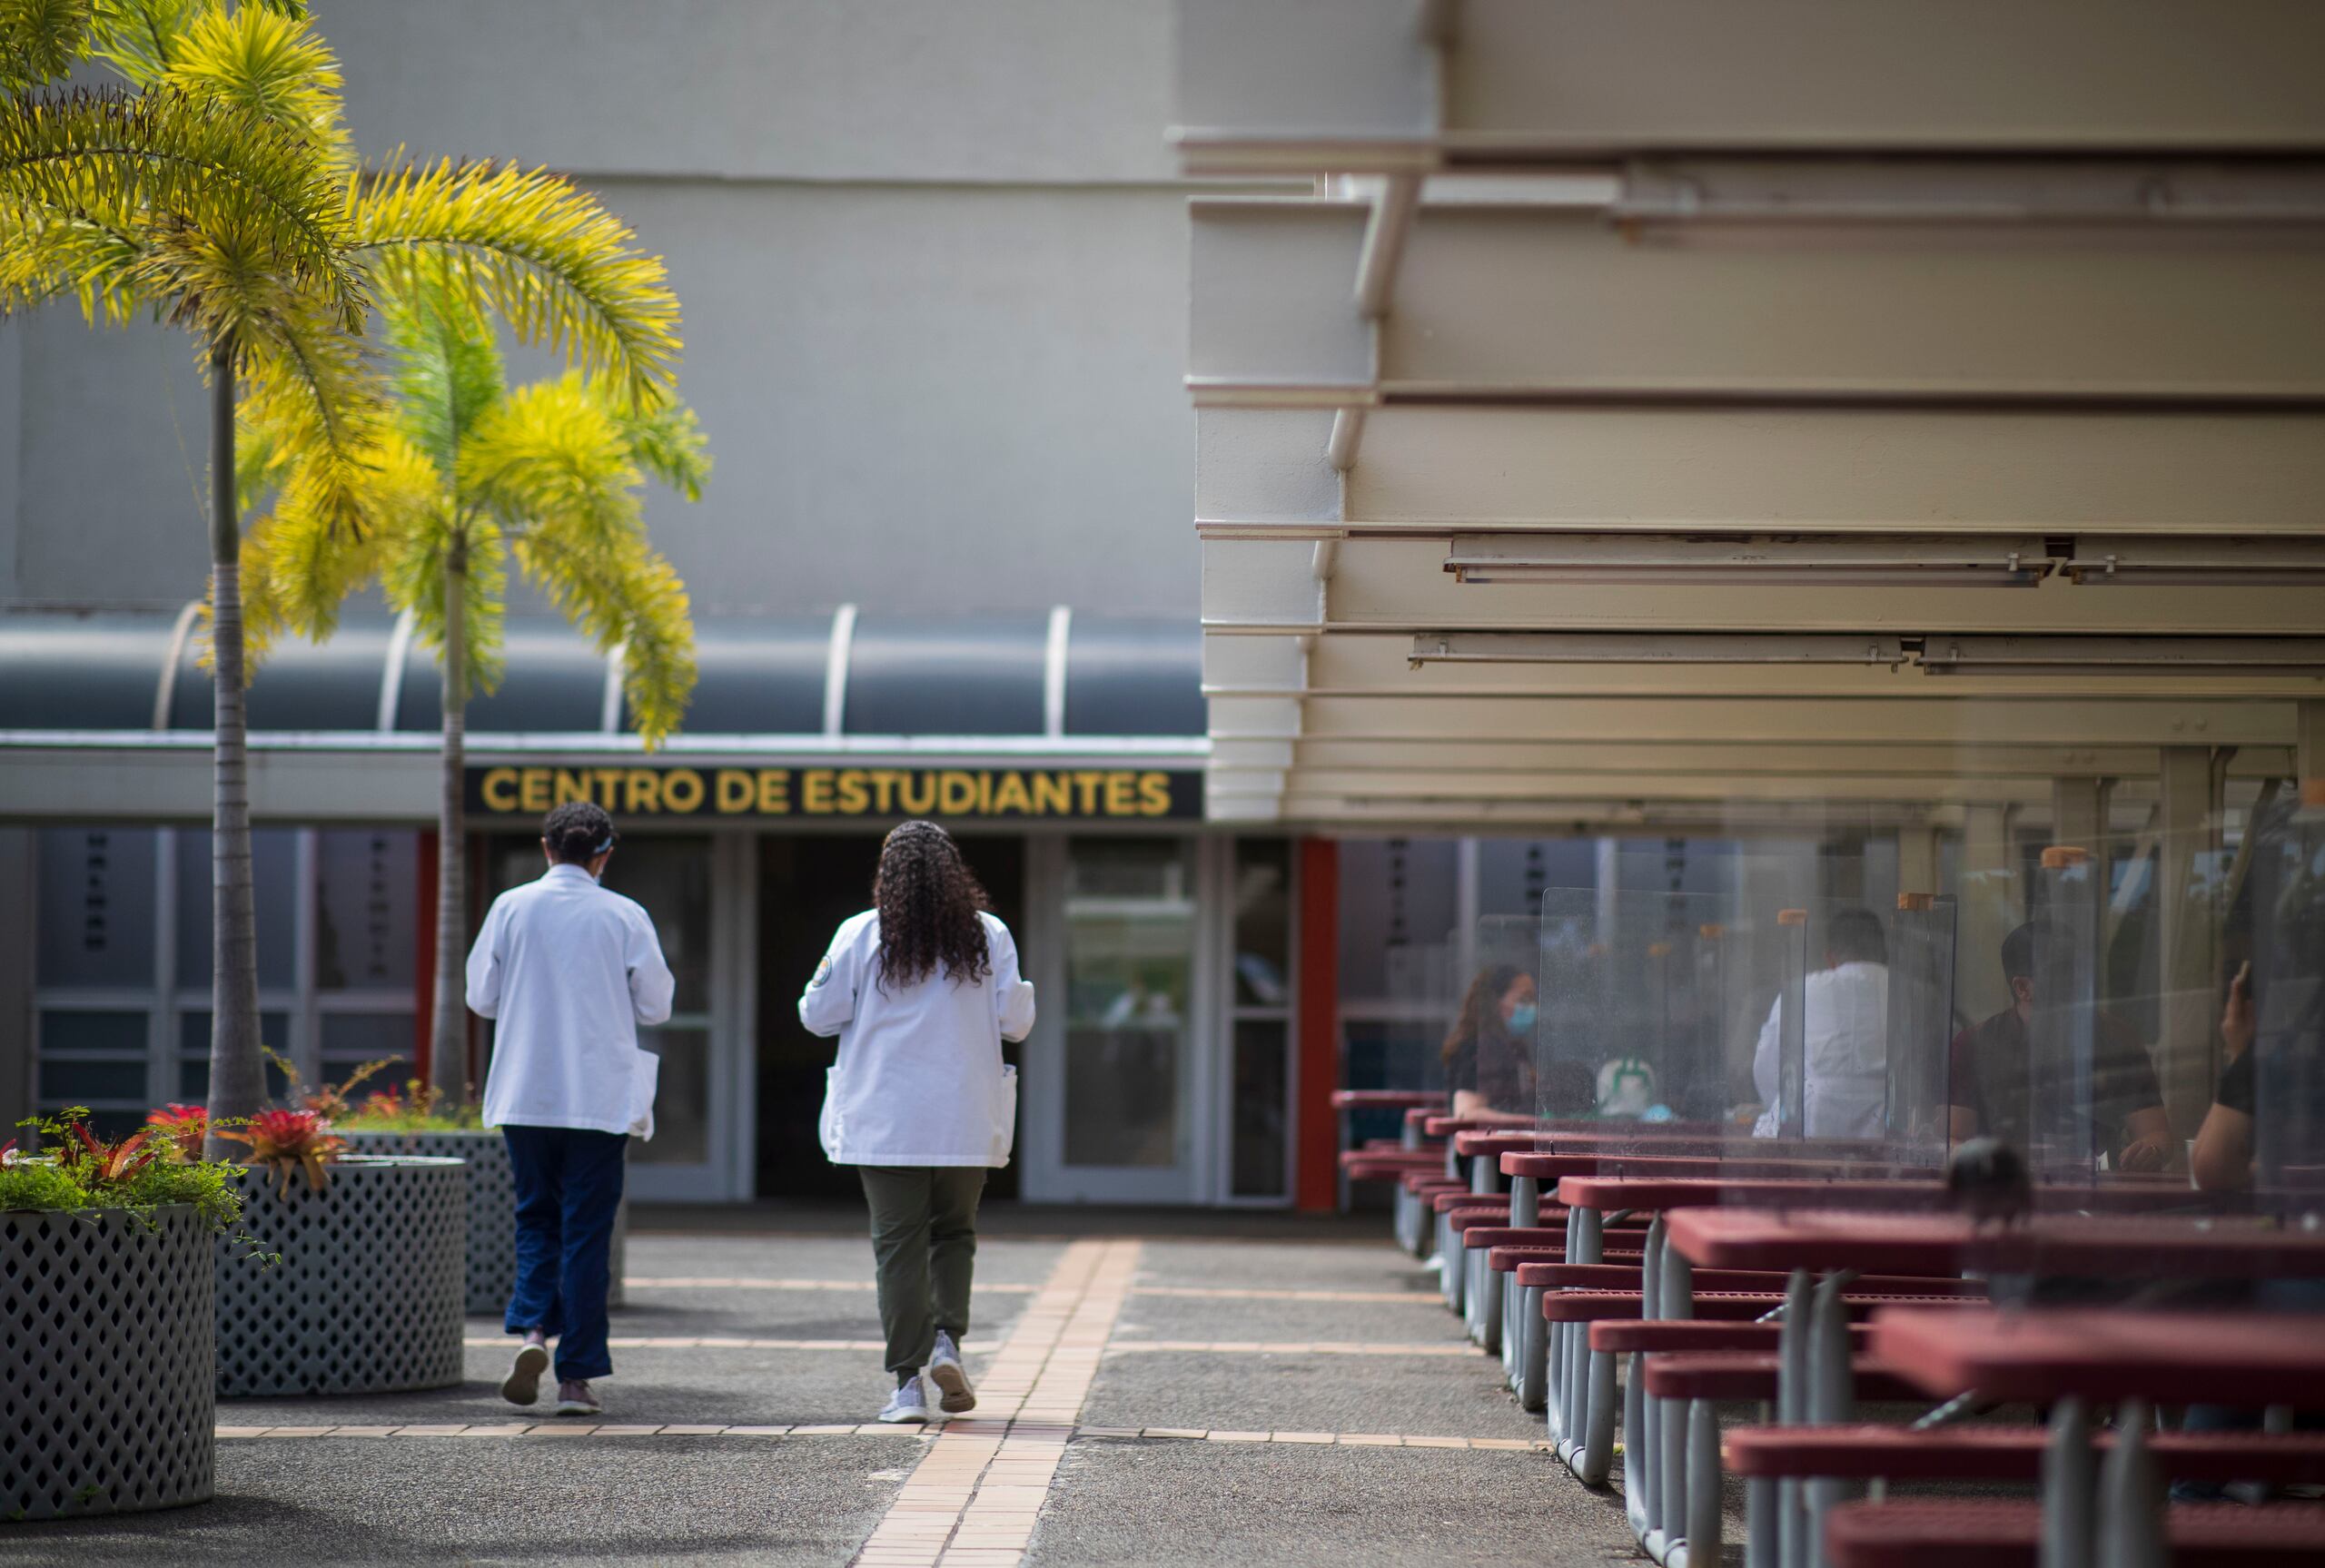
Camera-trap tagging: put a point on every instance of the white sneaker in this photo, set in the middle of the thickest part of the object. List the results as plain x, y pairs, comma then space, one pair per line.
951, 1379
523, 1384
908, 1403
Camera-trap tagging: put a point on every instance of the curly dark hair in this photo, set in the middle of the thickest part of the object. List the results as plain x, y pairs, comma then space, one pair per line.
928, 901
578, 832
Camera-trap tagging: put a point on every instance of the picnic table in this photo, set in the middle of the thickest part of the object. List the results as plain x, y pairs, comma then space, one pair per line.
2129, 1245
2111, 1514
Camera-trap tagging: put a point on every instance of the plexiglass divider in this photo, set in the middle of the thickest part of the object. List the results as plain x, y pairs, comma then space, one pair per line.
2276, 1016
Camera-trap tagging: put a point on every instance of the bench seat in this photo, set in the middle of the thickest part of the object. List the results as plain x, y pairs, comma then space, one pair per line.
1865, 1453
1673, 1335
1733, 1375
1947, 1532
1625, 1277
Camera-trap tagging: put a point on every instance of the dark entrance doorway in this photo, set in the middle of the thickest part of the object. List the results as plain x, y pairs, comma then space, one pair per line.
808, 885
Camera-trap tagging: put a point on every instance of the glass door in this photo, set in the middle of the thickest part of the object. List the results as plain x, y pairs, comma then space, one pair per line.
1116, 1066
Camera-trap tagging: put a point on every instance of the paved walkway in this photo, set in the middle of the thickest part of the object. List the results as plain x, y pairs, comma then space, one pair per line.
1143, 1400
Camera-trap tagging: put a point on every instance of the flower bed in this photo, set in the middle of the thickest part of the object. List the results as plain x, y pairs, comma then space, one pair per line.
105, 1326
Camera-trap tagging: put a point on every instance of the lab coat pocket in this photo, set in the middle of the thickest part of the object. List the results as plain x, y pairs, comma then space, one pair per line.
1004, 1120
827, 1124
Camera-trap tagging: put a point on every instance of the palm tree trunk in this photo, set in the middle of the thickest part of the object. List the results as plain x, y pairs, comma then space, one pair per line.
449, 1034
237, 1072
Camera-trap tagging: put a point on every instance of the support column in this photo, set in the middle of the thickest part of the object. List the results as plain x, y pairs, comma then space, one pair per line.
1993, 901
2309, 751
1917, 858
18, 915
2188, 933
1316, 1170
2079, 820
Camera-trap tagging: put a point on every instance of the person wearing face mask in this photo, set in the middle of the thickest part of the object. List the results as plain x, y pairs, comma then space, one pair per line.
568, 969
1490, 1054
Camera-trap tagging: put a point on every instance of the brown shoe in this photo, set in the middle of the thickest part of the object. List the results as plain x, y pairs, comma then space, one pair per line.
574, 1398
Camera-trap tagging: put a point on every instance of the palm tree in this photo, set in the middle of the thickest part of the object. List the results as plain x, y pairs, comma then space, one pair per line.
216, 190
478, 474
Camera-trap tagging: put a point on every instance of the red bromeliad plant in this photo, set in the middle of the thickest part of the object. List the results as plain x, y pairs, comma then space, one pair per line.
185, 1126
88, 1158
290, 1142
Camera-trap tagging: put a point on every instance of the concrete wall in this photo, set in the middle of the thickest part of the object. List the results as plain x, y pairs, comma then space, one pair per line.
935, 278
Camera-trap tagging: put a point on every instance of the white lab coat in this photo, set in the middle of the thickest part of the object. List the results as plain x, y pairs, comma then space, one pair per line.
569, 970
1845, 1049
919, 1079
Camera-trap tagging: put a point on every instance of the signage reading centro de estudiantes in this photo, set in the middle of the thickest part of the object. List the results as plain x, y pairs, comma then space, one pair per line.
668, 790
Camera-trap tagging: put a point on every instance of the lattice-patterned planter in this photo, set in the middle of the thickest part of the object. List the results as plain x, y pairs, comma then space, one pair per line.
106, 1401
368, 1295
492, 1209
492, 1203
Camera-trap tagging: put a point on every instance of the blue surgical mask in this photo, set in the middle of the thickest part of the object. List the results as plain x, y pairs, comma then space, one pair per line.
1521, 1018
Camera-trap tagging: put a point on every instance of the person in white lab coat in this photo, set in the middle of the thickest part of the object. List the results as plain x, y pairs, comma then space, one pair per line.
568, 969
922, 989
1845, 1037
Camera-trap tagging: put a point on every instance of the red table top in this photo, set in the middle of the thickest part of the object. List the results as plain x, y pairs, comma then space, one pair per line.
1649, 1161
2133, 1246
1385, 1099
1607, 1192
2039, 1356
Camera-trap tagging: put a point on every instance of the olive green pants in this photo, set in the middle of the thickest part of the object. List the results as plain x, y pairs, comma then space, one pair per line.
924, 1250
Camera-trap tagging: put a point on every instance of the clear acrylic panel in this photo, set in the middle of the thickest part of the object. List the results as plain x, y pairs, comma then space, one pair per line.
1634, 992
2279, 1019
1489, 1047
1917, 1119
1419, 987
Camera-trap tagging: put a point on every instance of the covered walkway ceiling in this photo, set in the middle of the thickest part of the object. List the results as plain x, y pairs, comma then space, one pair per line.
1666, 403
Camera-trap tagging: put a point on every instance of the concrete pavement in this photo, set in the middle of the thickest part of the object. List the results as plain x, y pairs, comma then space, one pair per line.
1225, 1399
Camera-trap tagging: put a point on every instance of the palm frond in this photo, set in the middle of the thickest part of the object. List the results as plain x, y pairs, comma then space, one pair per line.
447, 367
414, 577
270, 63
46, 255
550, 261
42, 40
667, 442
131, 161
553, 463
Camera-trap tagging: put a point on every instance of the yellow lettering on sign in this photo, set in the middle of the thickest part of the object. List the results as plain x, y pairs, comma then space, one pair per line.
608, 787
682, 790
1009, 796
815, 792
532, 789
985, 794
775, 792
500, 789
916, 793
854, 794
571, 785
883, 789
1053, 795
1087, 783
1154, 793
1121, 794
645, 791
730, 792
956, 793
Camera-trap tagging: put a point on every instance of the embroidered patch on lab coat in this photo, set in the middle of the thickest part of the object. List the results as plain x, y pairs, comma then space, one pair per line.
822, 974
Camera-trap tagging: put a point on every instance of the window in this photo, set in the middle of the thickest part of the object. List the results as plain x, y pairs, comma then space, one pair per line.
1259, 1115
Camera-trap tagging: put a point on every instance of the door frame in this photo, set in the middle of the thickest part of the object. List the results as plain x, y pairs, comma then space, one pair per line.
731, 1028
1193, 1178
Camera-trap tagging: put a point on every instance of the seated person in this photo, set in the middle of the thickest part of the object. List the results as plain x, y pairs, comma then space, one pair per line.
1490, 1054
2223, 1156
1845, 1037
1999, 1089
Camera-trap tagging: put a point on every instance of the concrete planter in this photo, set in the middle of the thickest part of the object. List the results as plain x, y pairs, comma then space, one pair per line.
105, 1347
368, 1295
492, 1209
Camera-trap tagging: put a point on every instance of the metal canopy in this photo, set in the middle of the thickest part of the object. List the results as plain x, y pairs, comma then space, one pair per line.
1647, 410
1062, 679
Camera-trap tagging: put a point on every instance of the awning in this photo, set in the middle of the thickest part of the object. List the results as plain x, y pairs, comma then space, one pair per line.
108, 713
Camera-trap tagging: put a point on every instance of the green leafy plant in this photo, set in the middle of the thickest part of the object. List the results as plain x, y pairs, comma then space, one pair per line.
79, 1171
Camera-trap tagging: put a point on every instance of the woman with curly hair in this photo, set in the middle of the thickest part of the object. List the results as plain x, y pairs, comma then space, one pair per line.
921, 989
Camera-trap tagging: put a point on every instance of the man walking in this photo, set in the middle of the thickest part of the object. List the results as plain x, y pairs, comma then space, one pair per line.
569, 971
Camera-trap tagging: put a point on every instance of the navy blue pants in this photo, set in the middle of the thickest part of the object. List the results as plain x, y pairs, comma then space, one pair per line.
569, 1184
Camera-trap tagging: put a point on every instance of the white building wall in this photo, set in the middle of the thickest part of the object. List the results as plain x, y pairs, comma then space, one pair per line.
934, 269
